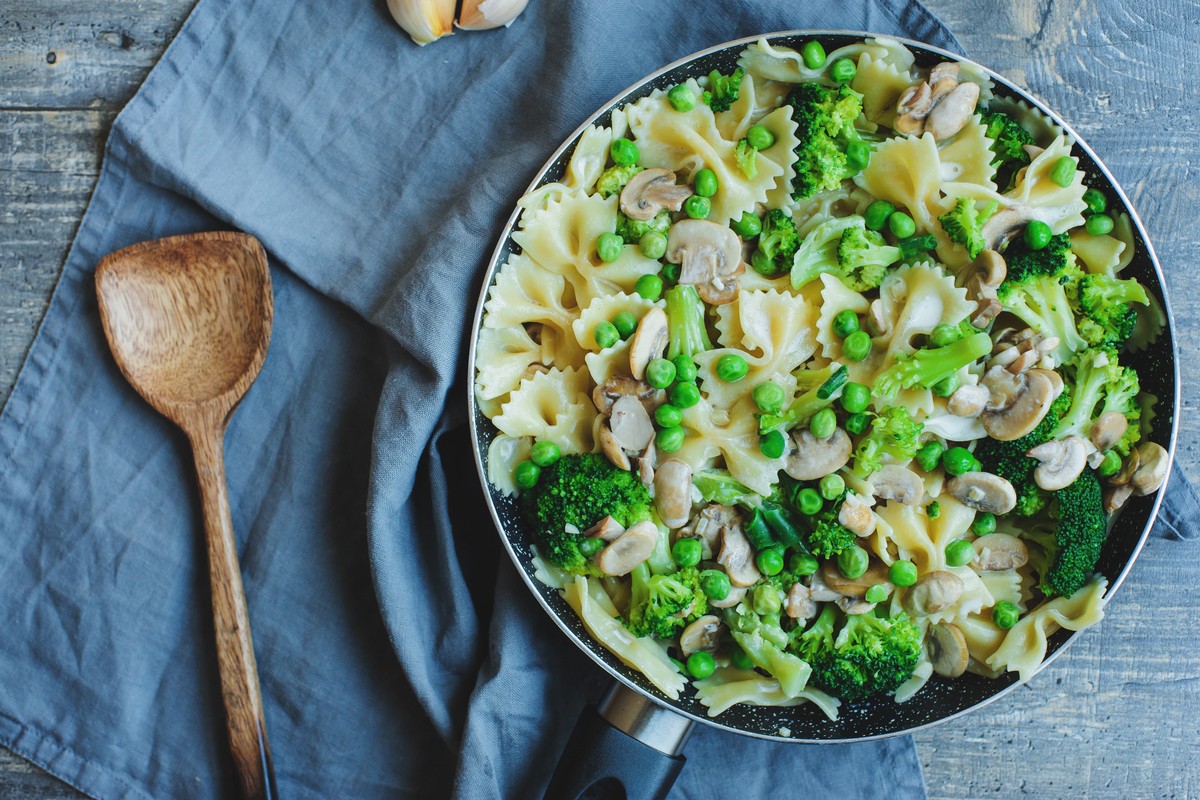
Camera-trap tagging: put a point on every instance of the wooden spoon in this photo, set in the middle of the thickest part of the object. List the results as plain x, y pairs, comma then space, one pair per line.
188, 319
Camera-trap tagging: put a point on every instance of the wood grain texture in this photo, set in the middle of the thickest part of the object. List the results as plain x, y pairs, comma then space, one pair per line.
1108, 719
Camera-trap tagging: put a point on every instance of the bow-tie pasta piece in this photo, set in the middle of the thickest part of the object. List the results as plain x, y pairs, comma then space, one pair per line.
554, 406
1024, 646
504, 356
907, 172
733, 435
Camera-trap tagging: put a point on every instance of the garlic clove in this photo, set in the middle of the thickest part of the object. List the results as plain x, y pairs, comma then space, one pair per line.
424, 20
482, 15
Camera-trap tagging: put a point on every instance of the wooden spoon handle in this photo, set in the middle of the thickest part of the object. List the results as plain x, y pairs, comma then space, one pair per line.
235, 649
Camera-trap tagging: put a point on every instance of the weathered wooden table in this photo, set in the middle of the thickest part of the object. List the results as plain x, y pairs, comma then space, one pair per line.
1112, 718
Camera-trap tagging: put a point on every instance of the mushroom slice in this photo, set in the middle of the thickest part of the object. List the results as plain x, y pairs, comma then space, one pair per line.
813, 458
1151, 471
612, 448
877, 572
736, 556
1108, 429
1061, 461
1115, 496
1000, 551
627, 551
1022, 401
648, 342
607, 529
631, 425
645, 464
968, 401
616, 387
853, 605
897, 483
934, 592
651, 191
951, 113
673, 492
702, 635
800, 605
947, 649
983, 491
915, 101
820, 591
711, 520
944, 69
1004, 225
855, 515
736, 595
710, 258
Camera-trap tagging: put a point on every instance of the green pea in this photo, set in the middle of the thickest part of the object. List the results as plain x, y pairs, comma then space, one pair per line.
769, 397
687, 552
984, 524
685, 368
855, 397
623, 152
843, 70
526, 475
853, 561
748, 226
959, 553
715, 584
706, 183
857, 346
1111, 464
697, 207
858, 155
649, 286
1037, 234
731, 368
668, 440
668, 416
809, 501
609, 247
544, 453
878, 213
933, 510
1098, 224
1005, 614
813, 54
589, 547
681, 98
738, 657
766, 599
625, 323
701, 664
683, 395
958, 460
823, 423
902, 573
857, 423
760, 137
1063, 171
660, 373
832, 486
605, 334
772, 444
876, 594
1095, 200
763, 264
670, 274
946, 386
929, 455
770, 561
943, 334
803, 564
901, 225
845, 322
653, 244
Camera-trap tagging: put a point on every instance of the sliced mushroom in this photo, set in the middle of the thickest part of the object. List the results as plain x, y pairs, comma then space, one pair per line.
934, 592
1115, 496
800, 605
1061, 461
737, 557
703, 635
968, 401
1000, 551
711, 520
1108, 429
618, 386
947, 649
877, 572
612, 448
607, 529
981, 278
631, 425
645, 464
651, 191
628, 550
813, 458
1128, 467
1017, 402
983, 491
1151, 471
648, 342
912, 108
944, 69
1004, 225
673, 492
853, 605
736, 595
820, 591
951, 113
1024, 360
710, 258
856, 515
897, 483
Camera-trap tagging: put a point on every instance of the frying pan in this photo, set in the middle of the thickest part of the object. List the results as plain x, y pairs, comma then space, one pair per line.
633, 739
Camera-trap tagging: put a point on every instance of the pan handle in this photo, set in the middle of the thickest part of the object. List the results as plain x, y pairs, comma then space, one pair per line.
627, 747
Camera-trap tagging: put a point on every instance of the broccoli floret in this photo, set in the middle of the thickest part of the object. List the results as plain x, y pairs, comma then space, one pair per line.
765, 642
776, 244
613, 179
826, 537
1008, 144
929, 365
688, 334
1034, 290
747, 158
1008, 459
663, 605
864, 257
893, 434
801, 409
821, 252
1079, 537
579, 490
1104, 307
723, 90
870, 655
824, 127
1092, 376
632, 230
964, 224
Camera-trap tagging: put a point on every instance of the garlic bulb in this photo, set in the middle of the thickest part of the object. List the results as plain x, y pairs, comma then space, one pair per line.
480, 15
424, 20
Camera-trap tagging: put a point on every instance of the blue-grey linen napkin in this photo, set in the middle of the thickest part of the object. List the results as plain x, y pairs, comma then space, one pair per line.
399, 653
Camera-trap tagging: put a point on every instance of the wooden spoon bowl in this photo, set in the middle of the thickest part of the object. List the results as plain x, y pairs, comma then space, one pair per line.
188, 320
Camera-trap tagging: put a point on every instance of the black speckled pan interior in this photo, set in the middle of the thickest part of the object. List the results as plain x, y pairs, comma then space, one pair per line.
940, 699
